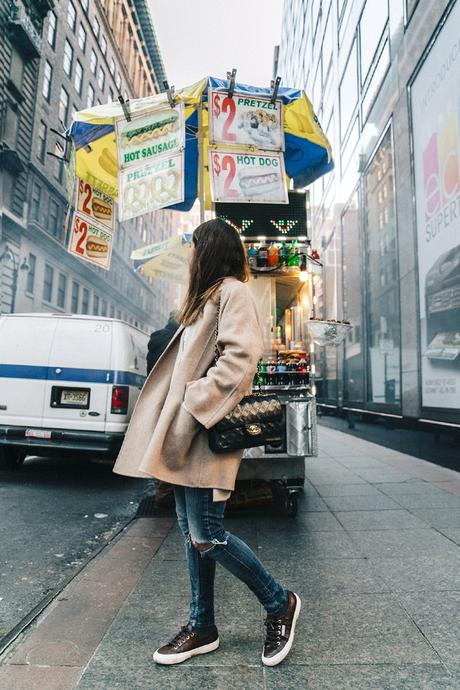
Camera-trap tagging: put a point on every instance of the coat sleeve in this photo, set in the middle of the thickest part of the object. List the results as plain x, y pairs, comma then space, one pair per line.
240, 343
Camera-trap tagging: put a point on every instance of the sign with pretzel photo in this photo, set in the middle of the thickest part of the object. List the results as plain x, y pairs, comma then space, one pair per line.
149, 137
150, 187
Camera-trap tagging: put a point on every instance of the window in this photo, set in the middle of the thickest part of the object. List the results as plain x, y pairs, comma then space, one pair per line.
111, 95
96, 27
103, 45
62, 287
104, 308
51, 33
84, 4
372, 24
78, 78
101, 78
112, 67
47, 77
32, 261
118, 82
410, 7
382, 279
82, 38
53, 218
377, 78
71, 15
48, 284
91, 95
68, 58
42, 132
112, 311
75, 297
93, 62
348, 92
96, 305
36, 201
328, 46
63, 106
85, 301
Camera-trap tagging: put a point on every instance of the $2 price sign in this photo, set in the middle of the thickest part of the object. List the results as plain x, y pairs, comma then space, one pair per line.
225, 165
90, 242
95, 204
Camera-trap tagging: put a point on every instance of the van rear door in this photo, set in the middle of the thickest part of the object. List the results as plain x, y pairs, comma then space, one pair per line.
78, 374
25, 343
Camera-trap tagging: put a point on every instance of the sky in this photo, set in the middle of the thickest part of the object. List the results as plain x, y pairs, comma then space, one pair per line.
209, 37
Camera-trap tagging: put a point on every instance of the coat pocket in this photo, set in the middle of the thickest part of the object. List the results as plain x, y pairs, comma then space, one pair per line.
183, 430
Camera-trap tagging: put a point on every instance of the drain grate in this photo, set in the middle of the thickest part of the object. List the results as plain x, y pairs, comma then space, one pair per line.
148, 507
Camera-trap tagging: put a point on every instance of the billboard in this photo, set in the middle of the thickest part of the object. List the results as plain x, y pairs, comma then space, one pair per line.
435, 102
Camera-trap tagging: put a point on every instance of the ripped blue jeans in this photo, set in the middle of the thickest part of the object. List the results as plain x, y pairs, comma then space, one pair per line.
207, 542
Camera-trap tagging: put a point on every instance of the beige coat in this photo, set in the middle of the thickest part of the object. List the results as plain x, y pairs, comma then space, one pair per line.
167, 436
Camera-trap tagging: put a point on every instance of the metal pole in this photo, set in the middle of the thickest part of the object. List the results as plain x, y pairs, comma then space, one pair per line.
200, 137
14, 287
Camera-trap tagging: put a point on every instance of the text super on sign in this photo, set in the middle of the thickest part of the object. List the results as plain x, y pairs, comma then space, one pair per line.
245, 120
268, 220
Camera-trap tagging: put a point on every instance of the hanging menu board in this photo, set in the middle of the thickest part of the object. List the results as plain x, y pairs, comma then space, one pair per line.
245, 120
98, 206
90, 241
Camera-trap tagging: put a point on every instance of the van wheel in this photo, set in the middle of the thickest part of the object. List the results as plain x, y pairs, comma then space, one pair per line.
11, 459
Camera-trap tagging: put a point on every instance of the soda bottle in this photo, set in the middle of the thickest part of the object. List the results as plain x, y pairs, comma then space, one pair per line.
273, 255
252, 256
293, 258
284, 254
262, 256
281, 369
271, 373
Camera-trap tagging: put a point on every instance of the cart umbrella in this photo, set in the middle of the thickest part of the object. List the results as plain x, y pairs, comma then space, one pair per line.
167, 259
307, 154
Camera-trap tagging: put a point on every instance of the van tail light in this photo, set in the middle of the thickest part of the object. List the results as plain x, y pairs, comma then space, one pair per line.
120, 400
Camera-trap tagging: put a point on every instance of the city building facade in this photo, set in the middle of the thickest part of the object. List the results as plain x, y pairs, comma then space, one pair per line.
91, 52
383, 77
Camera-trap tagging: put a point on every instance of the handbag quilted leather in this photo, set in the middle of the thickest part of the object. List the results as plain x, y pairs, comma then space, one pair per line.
257, 420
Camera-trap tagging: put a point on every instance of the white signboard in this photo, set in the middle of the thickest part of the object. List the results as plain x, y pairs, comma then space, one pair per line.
151, 136
90, 242
96, 205
436, 131
242, 176
245, 120
150, 187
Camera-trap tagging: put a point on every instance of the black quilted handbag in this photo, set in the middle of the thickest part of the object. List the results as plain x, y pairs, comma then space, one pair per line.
256, 421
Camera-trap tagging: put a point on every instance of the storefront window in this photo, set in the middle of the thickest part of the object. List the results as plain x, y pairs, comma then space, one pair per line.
332, 309
353, 374
371, 26
382, 276
348, 92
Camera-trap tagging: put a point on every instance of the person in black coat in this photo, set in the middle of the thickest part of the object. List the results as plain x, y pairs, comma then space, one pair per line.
159, 339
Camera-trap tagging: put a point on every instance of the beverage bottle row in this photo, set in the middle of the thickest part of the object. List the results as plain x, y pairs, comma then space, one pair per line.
283, 373
273, 255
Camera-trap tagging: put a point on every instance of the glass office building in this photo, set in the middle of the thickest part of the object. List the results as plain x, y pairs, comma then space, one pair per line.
384, 79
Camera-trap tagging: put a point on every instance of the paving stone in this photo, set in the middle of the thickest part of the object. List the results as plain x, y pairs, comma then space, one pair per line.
437, 614
373, 502
321, 521
28, 677
403, 543
388, 475
412, 486
378, 519
439, 517
362, 461
307, 546
452, 533
440, 499
360, 677
421, 573
361, 489
312, 504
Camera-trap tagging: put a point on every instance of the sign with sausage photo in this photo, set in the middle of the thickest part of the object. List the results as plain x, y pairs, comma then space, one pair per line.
150, 187
242, 176
151, 136
95, 204
245, 121
90, 242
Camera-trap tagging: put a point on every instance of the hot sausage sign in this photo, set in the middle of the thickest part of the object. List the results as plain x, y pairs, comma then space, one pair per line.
242, 176
245, 121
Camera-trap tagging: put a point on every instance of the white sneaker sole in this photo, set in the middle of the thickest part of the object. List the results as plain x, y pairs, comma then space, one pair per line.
179, 658
278, 658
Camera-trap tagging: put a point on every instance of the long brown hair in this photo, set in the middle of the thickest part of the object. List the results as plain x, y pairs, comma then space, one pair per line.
219, 252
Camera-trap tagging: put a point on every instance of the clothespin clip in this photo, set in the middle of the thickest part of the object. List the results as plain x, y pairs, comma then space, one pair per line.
125, 105
231, 76
274, 85
170, 94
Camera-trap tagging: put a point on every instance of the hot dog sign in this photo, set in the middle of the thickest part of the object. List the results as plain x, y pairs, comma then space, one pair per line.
90, 242
245, 120
97, 205
243, 176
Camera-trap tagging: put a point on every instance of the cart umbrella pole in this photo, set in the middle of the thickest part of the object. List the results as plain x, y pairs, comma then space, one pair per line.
200, 136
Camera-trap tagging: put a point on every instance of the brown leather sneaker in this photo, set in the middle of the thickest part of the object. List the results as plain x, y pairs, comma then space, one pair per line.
280, 632
187, 643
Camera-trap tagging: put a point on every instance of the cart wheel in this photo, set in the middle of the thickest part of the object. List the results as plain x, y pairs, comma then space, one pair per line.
11, 459
290, 505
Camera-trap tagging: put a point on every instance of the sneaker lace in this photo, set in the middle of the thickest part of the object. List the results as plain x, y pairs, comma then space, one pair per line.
273, 634
182, 636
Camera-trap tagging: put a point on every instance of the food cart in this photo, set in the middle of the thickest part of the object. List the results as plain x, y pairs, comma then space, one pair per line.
237, 148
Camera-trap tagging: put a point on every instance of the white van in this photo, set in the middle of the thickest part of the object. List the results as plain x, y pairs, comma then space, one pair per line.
68, 384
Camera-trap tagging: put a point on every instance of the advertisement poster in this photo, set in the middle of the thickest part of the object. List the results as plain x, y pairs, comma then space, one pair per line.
148, 137
238, 176
95, 204
90, 242
152, 186
246, 121
436, 130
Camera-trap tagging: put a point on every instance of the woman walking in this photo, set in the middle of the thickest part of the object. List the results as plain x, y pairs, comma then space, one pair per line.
186, 393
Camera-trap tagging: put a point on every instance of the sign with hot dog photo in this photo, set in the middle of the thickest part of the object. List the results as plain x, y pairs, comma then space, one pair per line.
151, 186
95, 204
146, 138
90, 242
245, 120
242, 176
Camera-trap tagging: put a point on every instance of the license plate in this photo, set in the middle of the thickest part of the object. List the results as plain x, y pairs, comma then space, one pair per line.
70, 397
38, 433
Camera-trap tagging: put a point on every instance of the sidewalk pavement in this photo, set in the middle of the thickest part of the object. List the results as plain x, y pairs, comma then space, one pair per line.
374, 552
